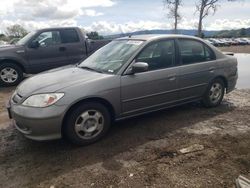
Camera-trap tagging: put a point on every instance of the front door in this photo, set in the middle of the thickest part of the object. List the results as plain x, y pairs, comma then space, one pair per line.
154, 88
49, 54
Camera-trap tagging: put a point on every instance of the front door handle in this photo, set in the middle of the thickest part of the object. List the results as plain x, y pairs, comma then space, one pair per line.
62, 49
211, 69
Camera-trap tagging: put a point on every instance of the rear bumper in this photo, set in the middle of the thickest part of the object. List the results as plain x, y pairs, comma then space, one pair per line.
232, 81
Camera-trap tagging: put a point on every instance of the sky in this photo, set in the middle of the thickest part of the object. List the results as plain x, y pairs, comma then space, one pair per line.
117, 16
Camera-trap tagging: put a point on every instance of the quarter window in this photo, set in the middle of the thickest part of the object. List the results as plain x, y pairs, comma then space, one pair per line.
158, 55
69, 36
192, 51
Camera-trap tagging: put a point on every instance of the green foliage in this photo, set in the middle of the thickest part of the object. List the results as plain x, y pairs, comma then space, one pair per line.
94, 35
16, 31
3, 37
243, 32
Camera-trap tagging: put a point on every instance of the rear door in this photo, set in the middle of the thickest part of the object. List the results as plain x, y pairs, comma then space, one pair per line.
74, 47
197, 65
154, 88
49, 54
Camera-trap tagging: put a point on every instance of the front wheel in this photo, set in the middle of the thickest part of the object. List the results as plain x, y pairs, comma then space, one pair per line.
214, 93
87, 123
10, 74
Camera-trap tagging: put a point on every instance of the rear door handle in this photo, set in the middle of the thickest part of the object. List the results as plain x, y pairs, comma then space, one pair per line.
172, 77
62, 49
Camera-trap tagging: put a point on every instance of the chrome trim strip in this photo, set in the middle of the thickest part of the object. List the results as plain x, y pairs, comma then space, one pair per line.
125, 116
162, 93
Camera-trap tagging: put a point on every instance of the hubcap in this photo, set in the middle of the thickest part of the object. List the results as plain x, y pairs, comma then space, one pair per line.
89, 124
215, 92
8, 75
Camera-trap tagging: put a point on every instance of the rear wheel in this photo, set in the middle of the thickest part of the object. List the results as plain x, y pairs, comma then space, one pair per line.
214, 93
10, 74
87, 123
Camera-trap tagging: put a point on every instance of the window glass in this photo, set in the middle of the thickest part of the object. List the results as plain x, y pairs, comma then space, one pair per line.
25, 39
48, 38
113, 56
69, 36
192, 51
158, 55
209, 54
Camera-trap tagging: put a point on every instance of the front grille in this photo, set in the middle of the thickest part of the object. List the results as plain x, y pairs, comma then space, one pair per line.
17, 98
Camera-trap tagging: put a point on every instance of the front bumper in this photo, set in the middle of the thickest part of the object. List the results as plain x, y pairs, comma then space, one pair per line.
37, 123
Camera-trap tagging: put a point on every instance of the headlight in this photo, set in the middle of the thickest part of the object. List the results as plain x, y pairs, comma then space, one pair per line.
42, 100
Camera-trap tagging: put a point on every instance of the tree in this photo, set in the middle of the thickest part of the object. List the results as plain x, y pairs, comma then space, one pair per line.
94, 35
173, 6
16, 31
2, 36
242, 32
205, 8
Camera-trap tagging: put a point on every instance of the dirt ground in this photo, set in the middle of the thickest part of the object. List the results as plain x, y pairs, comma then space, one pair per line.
236, 49
140, 152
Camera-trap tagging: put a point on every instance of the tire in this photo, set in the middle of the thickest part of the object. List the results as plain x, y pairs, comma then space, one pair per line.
214, 93
87, 123
10, 74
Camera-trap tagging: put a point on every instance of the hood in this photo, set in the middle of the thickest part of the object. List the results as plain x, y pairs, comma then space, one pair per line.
4, 45
5, 48
56, 79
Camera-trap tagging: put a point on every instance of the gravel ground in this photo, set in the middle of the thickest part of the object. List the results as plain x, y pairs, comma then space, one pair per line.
140, 152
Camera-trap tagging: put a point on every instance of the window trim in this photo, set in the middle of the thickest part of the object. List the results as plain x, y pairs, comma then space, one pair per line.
38, 34
151, 43
180, 63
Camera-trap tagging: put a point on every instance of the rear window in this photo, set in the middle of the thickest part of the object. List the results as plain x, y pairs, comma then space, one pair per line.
69, 36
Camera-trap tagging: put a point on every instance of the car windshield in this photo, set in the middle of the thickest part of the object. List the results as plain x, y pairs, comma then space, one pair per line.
110, 58
25, 39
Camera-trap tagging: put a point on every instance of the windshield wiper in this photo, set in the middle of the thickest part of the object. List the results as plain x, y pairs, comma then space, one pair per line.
89, 68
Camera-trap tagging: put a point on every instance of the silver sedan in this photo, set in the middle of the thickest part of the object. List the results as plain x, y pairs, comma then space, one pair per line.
127, 77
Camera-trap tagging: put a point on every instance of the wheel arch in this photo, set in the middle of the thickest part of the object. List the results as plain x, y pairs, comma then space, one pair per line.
223, 78
100, 100
14, 61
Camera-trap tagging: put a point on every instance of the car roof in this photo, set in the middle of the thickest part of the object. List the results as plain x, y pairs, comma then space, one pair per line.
150, 37
56, 28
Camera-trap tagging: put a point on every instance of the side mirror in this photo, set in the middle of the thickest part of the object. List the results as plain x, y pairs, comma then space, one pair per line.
139, 67
34, 44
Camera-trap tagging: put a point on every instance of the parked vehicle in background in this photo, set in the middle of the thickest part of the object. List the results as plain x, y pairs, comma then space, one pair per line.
42, 50
224, 42
247, 40
241, 41
217, 42
211, 42
231, 41
128, 77
220, 42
